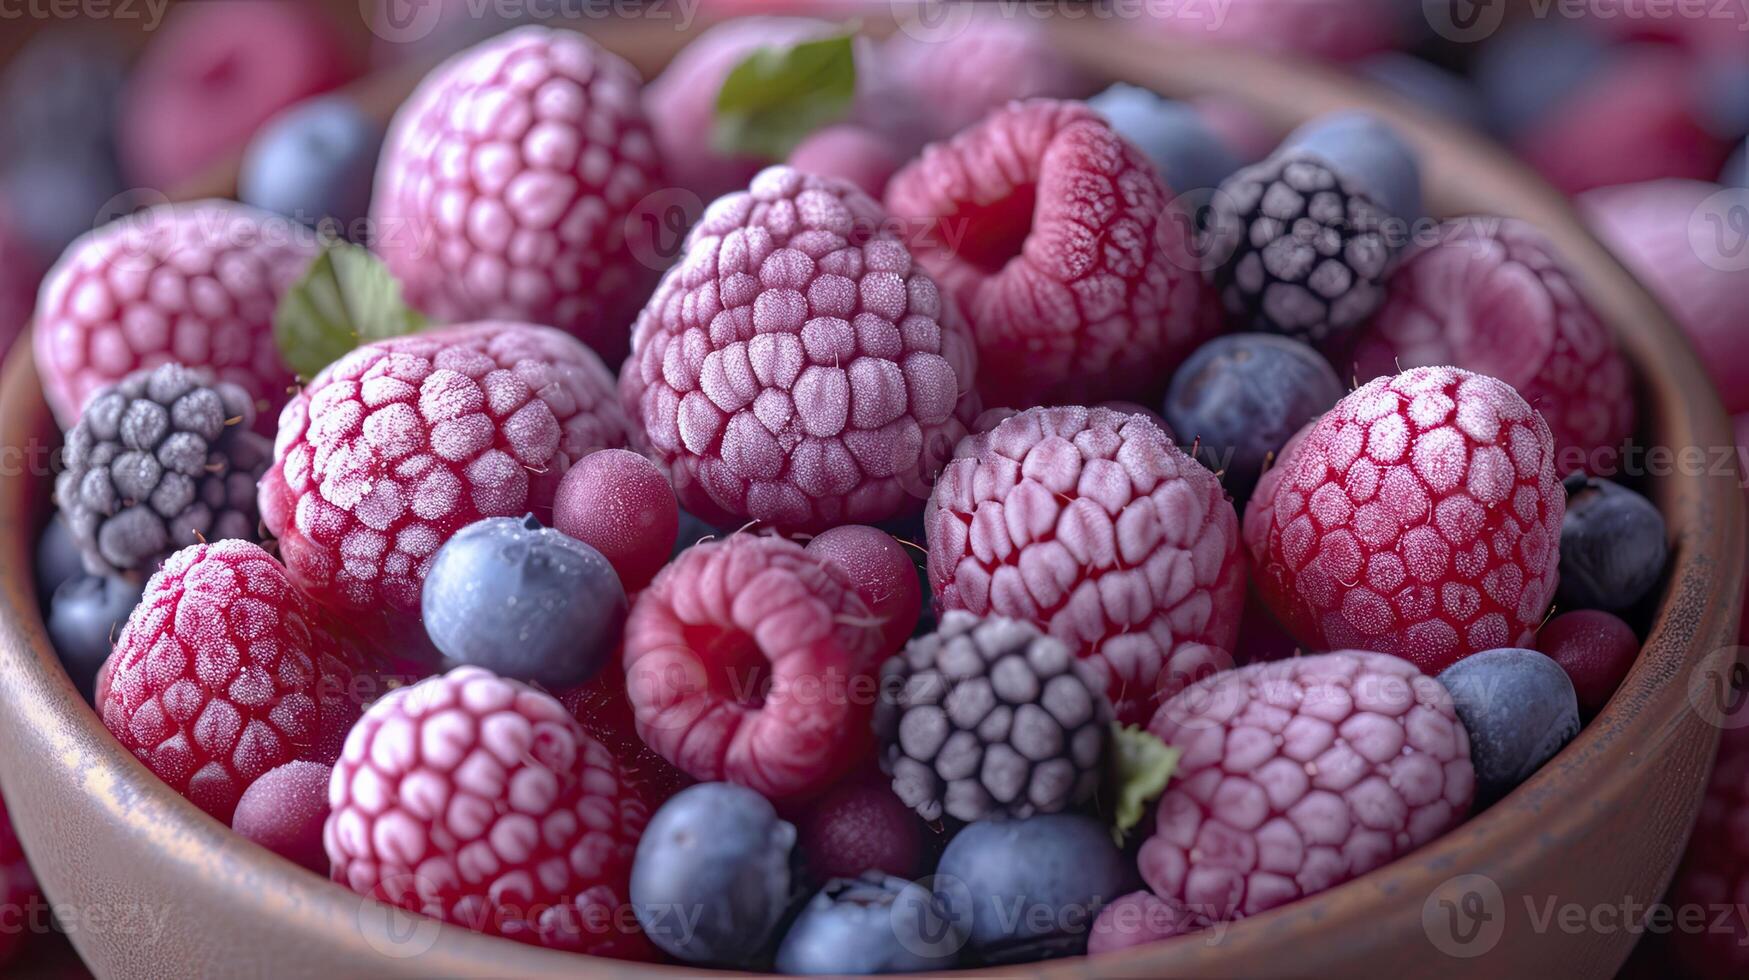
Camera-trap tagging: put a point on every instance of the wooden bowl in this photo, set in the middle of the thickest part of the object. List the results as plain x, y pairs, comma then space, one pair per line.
1603, 823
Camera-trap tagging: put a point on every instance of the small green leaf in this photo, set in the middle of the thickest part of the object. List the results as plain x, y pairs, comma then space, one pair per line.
346, 297
777, 95
1144, 766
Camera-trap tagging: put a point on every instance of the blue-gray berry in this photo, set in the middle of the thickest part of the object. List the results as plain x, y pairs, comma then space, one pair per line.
1530, 67
1613, 546
1240, 398
57, 559
523, 601
1030, 889
313, 161
1426, 84
1519, 709
712, 876
1369, 153
1188, 153
85, 615
872, 924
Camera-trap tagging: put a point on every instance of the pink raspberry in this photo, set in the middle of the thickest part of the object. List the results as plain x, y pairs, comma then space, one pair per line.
1494, 297
508, 184
1714, 873
223, 673
403, 442
1332, 30
18, 887
959, 73
1137, 919
751, 661
1297, 776
848, 152
1421, 516
1062, 247
477, 800
194, 283
796, 367
1093, 525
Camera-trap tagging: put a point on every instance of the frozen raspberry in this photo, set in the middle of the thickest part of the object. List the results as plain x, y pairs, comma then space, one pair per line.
1714, 873
1061, 245
214, 74
881, 571
1493, 296
1136, 919
796, 367
401, 443
1333, 30
605, 714
506, 185
958, 78
1421, 516
1298, 776
751, 661
284, 811
848, 152
17, 887
194, 283
1094, 526
477, 800
223, 673
858, 826
1648, 225
619, 503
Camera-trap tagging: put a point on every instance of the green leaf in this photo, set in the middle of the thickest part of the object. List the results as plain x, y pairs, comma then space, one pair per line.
347, 297
1144, 766
777, 95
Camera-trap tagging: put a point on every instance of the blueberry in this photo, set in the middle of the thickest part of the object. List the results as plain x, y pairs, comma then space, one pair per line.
1425, 83
1367, 151
1736, 172
1723, 94
85, 615
60, 95
1524, 71
1519, 709
712, 876
313, 161
875, 923
57, 558
1241, 397
1613, 546
524, 601
1188, 154
55, 198
1031, 888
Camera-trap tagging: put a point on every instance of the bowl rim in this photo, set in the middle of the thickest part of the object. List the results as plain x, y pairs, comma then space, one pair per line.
1697, 605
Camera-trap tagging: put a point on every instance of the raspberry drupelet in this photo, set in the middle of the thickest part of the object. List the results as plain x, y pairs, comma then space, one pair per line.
1065, 252
797, 367
401, 443
1421, 516
1094, 526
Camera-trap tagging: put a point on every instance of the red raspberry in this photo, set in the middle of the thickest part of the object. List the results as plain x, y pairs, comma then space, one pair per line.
750, 660
1297, 776
194, 283
1062, 247
477, 800
401, 443
1421, 516
18, 888
1094, 526
1493, 296
222, 673
1714, 873
881, 571
508, 183
796, 367
860, 825
959, 73
605, 714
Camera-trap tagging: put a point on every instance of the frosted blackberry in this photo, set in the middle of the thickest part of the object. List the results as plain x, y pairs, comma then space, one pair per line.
990, 717
163, 456
1302, 250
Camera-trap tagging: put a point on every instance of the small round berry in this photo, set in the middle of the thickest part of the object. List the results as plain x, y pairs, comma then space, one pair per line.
1421, 81
525, 602
1595, 648
619, 503
858, 826
711, 880
605, 714
848, 152
1363, 149
58, 558
1239, 399
1189, 154
1525, 71
313, 161
1613, 546
284, 811
86, 614
881, 571
1519, 709
870, 924
1062, 863
958, 78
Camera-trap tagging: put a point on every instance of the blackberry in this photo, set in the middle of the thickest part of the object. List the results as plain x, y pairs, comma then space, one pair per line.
164, 456
990, 717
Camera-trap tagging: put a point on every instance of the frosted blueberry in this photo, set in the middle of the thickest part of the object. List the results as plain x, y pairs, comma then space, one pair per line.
313, 161
872, 924
85, 616
1613, 546
1362, 148
1519, 709
1190, 155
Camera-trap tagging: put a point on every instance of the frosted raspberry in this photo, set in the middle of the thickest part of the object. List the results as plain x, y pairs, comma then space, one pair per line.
1421, 516
506, 183
1714, 873
401, 443
1064, 251
796, 367
984, 64
1297, 776
17, 887
223, 673
1494, 297
194, 283
751, 661
1093, 525
477, 800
